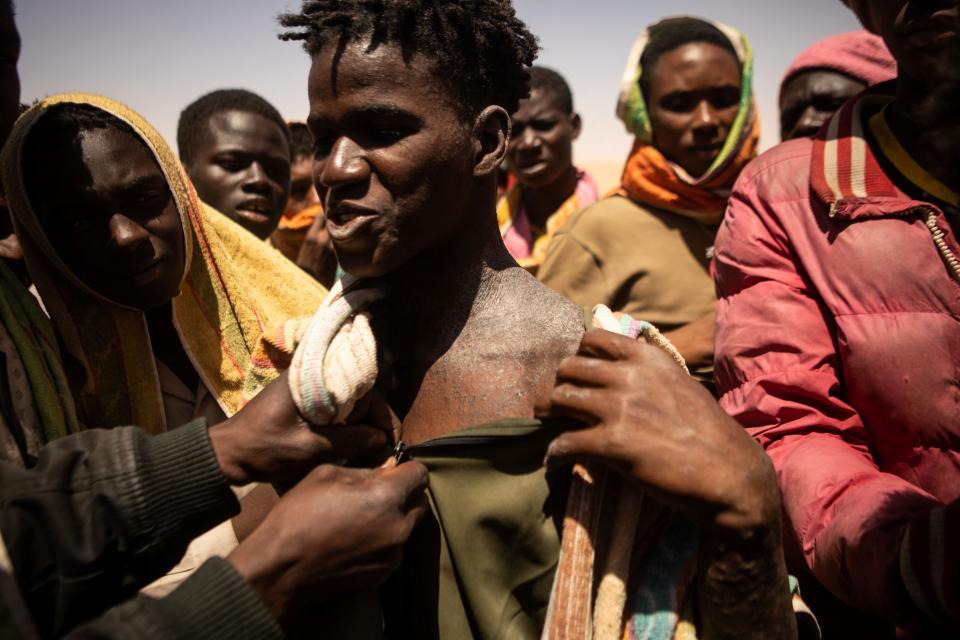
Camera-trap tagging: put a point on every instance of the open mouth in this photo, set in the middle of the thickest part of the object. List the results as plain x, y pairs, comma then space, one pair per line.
255, 210
345, 222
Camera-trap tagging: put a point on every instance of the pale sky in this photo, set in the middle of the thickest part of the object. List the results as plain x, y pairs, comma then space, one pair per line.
159, 56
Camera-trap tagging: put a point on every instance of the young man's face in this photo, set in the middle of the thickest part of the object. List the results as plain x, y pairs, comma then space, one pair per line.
394, 157
694, 99
810, 98
112, 218
242, 169
541, 144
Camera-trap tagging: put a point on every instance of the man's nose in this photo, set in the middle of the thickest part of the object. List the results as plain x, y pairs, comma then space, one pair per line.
126, 234
344, 165
811, 120
256, 178
705, 116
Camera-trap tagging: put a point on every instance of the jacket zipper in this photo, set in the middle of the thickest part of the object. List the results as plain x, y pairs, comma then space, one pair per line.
403, 452
939, 239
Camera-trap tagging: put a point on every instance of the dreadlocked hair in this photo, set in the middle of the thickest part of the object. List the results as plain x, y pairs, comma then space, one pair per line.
481, 47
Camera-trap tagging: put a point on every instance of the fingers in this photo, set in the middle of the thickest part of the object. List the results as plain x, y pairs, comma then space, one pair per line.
587, 371
575, 446
409, 478
601, 343
380, 415
580, 403
347, 441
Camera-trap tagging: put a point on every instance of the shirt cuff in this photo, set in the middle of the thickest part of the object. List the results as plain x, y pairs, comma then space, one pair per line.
216, 604
180, 490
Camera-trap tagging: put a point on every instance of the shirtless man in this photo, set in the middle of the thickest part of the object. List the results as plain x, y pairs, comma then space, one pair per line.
409, 107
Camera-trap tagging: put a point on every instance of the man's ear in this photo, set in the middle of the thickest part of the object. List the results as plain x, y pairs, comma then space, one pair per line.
491, 132
577, 124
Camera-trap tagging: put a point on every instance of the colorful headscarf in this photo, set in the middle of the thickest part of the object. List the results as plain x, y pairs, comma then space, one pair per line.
860, 55
234, 289
650, 178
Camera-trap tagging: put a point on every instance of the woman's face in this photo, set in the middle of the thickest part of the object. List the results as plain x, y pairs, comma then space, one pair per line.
694, 95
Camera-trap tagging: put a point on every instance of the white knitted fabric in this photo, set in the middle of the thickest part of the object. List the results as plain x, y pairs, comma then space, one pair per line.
335, 363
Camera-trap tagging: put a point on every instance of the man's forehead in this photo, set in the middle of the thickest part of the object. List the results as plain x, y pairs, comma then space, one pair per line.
358, 69
541, 101
234, 127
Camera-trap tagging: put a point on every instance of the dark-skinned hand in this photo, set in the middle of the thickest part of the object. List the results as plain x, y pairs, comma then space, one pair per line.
339, 530
268, 440
648, 419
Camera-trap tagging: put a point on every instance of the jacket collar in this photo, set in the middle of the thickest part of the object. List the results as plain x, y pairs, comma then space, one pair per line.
845, 173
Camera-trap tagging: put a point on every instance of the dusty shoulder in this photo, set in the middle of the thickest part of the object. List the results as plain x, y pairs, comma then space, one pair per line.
551, 320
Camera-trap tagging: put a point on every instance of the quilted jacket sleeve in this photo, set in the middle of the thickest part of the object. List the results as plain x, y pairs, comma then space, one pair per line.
777, 373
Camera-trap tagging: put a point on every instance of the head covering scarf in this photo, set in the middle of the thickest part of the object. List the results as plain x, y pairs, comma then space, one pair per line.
650, 178
860, 55
234, 288
32, 335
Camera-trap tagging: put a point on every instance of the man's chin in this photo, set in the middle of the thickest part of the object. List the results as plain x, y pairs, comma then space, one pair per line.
260, 225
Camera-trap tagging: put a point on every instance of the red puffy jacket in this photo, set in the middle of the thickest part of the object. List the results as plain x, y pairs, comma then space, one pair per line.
838, 347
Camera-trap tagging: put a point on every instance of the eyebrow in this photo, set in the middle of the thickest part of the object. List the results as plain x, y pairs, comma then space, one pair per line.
365, 112
142, 182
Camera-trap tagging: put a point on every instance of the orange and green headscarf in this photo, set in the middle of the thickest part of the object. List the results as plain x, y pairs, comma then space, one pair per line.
235, 289
649, 178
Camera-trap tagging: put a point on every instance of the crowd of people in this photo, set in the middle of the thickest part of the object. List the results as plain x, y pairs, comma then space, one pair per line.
403, 370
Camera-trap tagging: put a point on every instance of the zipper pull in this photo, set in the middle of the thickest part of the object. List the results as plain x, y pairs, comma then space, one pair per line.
400, 452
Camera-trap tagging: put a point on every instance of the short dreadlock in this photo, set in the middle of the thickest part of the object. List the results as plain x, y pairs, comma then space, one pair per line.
480, 46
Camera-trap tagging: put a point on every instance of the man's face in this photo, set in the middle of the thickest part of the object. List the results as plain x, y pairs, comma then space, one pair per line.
810, 98
302, 192
394, 157
112, 218
242, 169
9, 79
541, 144
921, 35
693, 101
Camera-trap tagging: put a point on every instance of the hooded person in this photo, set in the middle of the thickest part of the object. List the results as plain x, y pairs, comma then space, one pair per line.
687, 97
158, 302
828, 73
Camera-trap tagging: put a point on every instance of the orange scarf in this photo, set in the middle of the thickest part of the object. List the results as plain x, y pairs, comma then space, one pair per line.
650, 178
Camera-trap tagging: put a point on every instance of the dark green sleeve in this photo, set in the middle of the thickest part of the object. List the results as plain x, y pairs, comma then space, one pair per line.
105, 512
213, 604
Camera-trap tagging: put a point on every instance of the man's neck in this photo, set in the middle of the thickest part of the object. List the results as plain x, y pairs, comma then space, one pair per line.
444, 288
926, 124
541, 203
